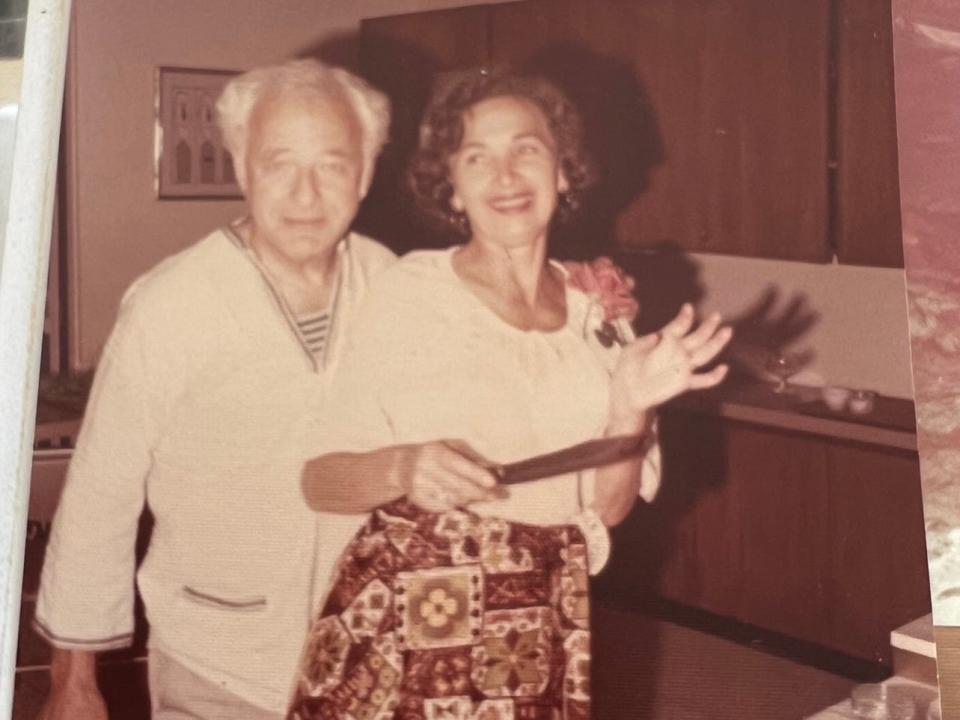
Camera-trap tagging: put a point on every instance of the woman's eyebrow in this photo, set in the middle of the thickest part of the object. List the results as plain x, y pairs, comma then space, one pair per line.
534, 135
471, 144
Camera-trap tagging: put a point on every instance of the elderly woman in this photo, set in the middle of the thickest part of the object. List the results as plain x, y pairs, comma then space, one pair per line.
461, 597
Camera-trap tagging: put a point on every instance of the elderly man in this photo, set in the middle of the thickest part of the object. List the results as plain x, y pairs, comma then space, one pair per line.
209, 376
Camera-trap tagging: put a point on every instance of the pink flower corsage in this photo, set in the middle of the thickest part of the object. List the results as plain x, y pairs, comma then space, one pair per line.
610, 287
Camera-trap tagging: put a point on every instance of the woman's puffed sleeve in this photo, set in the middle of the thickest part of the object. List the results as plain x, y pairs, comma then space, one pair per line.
650, 470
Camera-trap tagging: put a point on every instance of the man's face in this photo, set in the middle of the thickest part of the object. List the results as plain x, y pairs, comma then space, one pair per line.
302, 175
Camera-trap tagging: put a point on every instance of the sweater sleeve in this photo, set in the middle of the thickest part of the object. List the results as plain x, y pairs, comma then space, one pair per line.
86, 592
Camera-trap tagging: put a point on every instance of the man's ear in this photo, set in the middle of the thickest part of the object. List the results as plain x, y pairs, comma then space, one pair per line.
240, 172
366, 179
562, 183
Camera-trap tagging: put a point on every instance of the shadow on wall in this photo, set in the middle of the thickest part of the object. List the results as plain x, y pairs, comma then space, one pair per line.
621, 133
406, 74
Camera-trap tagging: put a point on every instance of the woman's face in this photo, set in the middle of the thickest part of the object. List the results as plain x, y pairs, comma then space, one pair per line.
506, 173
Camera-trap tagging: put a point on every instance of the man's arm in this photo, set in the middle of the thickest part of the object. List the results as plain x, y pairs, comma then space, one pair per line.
73, 688
85, 599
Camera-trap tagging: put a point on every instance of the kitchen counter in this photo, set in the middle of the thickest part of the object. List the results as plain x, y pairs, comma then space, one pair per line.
891, 423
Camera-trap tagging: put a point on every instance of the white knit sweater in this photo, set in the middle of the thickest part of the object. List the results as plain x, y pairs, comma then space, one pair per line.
198, 408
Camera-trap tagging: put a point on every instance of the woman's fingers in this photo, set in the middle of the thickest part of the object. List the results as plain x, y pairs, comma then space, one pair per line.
449, 474
709, 350
681, 324
644, 344
467, 463
704, 332
702, 381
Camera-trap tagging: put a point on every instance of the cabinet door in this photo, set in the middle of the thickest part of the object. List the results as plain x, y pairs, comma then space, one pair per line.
403, 55
867, 196
878, 577
709, 118
758, 528
817, 539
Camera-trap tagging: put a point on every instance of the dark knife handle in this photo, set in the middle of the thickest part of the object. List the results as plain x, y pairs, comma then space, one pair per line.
590, 454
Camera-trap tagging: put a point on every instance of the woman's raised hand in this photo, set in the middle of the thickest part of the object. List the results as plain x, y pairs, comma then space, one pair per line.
446, 474
656, 368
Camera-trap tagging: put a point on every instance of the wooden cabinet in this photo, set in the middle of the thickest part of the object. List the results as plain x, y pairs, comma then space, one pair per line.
715, 122
709, 119
866, 227
403, 55
817, 539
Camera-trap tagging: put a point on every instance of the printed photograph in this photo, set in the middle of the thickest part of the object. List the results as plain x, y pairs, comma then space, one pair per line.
508, 360
927, 49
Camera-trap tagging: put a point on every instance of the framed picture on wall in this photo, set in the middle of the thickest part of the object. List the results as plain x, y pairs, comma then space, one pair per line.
191, 161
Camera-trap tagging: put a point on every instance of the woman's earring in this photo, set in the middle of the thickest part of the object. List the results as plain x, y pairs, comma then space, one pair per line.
458, 219
565, 204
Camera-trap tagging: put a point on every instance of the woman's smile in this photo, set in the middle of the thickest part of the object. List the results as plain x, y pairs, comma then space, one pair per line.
514, 203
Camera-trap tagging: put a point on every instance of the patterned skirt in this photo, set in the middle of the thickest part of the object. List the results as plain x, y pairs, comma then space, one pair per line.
451, 616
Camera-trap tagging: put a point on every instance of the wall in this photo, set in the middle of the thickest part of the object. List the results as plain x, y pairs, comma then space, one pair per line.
120, 229
859, 316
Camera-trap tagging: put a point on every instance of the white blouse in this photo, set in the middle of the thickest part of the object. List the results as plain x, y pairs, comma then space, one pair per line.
428, 360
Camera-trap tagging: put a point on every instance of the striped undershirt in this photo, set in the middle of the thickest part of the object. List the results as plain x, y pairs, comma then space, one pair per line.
314, 328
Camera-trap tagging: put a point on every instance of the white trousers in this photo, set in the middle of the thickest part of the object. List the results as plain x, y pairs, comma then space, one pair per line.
176, 693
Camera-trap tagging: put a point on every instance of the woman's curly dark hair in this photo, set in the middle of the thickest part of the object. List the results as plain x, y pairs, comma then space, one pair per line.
441, 133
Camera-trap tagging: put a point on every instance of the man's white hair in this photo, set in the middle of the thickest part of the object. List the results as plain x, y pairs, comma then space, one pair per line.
307, 77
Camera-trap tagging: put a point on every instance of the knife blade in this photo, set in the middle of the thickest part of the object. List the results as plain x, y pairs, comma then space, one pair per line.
589, 454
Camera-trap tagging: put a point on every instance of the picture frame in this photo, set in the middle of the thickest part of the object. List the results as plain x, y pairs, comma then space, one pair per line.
191, 161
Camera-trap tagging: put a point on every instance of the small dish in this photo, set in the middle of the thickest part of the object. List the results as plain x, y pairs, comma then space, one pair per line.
862, 401
836, 397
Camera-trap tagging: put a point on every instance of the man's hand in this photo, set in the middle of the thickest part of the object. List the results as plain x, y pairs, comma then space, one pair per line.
73, 688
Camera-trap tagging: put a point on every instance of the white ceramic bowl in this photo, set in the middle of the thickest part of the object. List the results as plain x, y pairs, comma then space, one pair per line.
836, 397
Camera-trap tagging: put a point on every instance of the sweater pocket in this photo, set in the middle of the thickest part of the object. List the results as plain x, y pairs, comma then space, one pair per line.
240, 604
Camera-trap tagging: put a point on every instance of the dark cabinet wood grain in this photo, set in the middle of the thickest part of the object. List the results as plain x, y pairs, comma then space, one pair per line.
867, 193
813, 538
709, 118
404, 55
715, 122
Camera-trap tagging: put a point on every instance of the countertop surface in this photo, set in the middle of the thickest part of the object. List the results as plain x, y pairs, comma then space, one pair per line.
891, 422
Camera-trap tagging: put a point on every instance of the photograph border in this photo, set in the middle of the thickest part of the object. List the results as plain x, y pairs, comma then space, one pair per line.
23, 275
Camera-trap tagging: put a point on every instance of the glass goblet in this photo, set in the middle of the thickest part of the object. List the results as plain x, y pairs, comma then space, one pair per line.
783, 366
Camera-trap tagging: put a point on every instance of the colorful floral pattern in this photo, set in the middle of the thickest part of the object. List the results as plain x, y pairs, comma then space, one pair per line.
575, 588
366, 613
451, 617
439, 607
325, 655
513, 657
463, 708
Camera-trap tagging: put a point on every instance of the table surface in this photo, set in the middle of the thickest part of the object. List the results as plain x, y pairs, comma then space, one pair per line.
892, 422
